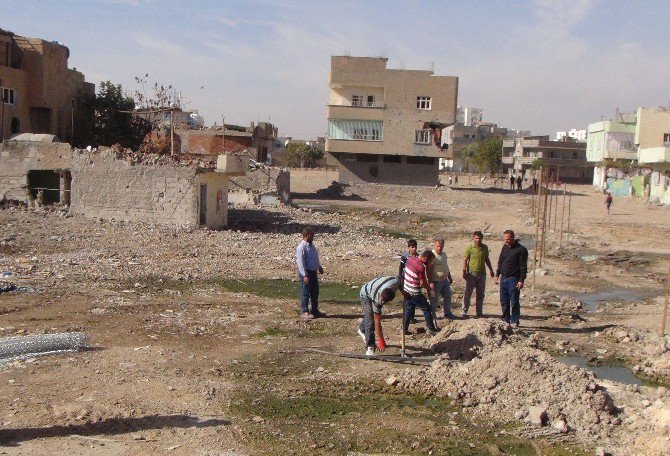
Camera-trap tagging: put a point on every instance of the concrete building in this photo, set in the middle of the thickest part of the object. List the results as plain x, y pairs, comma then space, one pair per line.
457, 137
513, 133
257, 140
566, 158
104, 184
577, 135
652, 136
385, 125
612, 139
39, 93
469, 116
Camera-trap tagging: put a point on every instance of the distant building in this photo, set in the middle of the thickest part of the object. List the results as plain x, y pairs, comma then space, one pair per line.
565, 159
577, 135
652, 135
39, 93
514, 133
612, 139
457, 137
469, 116
385, 125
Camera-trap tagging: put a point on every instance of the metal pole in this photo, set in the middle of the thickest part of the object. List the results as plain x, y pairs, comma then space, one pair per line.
172, 133
544, 222
560, 239
551, 200
558, 173
567, 236
537, 227
665, 304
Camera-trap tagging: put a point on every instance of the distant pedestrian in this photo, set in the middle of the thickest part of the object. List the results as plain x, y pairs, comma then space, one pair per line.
374, 295
608, 202
449, 180
307, 260
519, 181
440, 280
510, 274
475, 261
511, 181
456, 179
534, 184
414, 279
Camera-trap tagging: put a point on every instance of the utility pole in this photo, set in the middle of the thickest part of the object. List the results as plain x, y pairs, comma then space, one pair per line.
560, 239
567, 238
665, 304
172, 133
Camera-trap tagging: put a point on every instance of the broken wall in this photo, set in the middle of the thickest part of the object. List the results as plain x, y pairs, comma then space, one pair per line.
353, 169
17, 158
109, 188
248, 189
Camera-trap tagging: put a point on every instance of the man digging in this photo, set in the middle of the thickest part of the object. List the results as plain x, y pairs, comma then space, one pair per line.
374, 295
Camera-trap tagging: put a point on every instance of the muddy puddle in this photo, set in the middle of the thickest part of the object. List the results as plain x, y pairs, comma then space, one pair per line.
613, 373
592, 299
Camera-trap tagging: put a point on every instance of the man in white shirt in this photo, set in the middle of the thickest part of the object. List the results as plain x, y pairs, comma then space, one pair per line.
440, 280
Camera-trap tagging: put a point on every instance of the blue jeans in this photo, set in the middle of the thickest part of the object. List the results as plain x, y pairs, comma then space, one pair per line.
367, 326
309, 292
442, 288
509, 299
414, 301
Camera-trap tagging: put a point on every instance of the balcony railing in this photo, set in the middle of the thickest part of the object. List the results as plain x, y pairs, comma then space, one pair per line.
359, 104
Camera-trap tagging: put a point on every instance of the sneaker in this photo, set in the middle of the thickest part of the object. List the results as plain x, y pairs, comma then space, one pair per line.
464, 315
370, 351
318, 314
407, 332
307, 316
360, 333
515, 325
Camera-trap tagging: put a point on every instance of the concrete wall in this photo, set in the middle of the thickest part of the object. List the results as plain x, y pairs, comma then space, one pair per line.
270, 181
659, 188
353, 170
19, 157
652, 124
216, 184
212, 142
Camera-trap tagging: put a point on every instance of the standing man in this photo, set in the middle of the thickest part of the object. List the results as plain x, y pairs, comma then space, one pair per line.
511, 273
440, 280
411, 252
414, 279
307, 260
475, 261
374, 295
511, 181
519, 181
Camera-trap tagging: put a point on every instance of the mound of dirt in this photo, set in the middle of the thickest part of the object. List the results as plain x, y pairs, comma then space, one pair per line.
503, 374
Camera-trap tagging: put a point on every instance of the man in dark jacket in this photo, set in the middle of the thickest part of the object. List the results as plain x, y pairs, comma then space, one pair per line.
510, 274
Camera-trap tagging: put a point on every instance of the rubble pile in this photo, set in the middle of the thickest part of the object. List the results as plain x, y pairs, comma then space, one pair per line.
149, 158
506, 376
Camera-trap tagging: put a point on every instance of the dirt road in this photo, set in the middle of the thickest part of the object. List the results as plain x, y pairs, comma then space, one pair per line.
198, 348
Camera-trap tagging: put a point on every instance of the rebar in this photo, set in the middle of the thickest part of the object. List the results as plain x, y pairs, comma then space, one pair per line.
22, 346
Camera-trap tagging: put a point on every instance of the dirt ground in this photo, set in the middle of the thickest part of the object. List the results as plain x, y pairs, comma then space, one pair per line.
197, 347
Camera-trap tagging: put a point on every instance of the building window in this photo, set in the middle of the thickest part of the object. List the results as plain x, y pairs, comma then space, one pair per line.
420, 160
358, 130
422, 136
666, 137
357, 100
423, 102
8, 96
392, 159
371, 101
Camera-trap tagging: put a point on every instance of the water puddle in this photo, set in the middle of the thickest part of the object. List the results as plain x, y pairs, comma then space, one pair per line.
613, 373
592, 299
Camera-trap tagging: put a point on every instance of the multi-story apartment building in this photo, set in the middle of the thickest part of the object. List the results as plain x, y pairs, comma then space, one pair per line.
385, 125
652, 135
565, 159
469, 116
457, 137
39, 93
612, 139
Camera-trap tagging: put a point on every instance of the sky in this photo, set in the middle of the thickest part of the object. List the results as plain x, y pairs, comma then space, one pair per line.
540, 65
